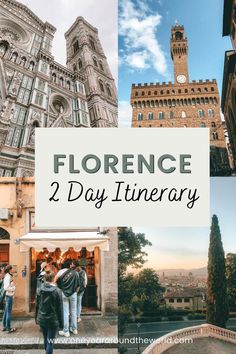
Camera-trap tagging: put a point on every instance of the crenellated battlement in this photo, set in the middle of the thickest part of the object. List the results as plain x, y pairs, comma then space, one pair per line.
171, 84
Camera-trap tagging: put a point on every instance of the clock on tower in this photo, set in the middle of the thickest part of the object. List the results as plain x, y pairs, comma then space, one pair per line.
179, 54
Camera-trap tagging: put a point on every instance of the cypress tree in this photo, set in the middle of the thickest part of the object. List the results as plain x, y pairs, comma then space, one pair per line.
217, 304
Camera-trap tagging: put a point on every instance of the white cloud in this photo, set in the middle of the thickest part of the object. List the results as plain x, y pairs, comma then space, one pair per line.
125, 114
138, 59
138, 26
62, 13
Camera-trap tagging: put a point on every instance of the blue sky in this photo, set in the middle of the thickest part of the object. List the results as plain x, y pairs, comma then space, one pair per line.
188, 247
144, 42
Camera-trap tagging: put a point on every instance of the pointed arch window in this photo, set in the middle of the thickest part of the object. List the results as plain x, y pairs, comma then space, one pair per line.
201, 113
140, 116
101, 66
150, 115
80, 64
211, 112
95, 62
76, 46
108, 90
178, 36
92, 43
101, 86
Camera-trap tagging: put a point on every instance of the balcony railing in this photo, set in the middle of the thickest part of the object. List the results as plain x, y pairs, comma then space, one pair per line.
176, 337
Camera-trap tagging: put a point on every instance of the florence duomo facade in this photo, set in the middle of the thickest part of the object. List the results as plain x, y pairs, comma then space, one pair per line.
36, 91
183, 103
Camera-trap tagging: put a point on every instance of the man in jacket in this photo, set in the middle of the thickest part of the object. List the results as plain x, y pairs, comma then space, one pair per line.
9, 289
68, 281
49, 310
83, 280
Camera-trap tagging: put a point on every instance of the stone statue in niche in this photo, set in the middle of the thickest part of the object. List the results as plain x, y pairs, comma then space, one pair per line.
2, 49
16, 83
7, 110
32, 137
36, 115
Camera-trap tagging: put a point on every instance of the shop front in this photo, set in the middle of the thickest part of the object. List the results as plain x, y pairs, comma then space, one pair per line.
55, 247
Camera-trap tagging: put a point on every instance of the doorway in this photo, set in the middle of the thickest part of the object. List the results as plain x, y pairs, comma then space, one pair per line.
4, 253
88, 259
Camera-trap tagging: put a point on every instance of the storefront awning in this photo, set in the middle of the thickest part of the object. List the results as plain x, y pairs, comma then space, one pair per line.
63, 240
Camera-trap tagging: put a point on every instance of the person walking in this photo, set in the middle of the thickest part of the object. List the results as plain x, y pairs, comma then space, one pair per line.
83, 281
68, 281
49, 310
9, 288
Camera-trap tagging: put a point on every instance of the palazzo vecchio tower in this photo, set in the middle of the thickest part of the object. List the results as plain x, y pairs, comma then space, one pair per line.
183, 103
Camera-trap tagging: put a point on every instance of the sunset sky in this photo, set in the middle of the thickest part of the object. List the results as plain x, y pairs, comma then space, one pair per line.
188, 247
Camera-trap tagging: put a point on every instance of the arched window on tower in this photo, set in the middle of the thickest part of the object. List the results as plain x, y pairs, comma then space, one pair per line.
161, 115
95, 62
80, 64
76, 46
92, 43
101, 66
215, 136
211, 112
150, 115
183, 114
178, 36
201, 113
213, 124
140, 116
108, 90
171, 115
101, 85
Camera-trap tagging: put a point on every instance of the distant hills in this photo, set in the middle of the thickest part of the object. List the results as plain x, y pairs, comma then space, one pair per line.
198, 272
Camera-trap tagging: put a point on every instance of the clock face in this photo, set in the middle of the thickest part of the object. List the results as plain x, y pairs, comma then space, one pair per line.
181, 79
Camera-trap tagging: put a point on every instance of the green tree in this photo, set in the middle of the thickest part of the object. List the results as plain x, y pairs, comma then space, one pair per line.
148, 290
131, 255
131, 246
217, 305
230, 264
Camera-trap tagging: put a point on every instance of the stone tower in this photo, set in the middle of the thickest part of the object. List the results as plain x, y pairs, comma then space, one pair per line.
86, 56
184, 103
179, 54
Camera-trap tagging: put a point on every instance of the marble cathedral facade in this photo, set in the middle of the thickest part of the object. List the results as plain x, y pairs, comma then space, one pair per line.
36, 91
